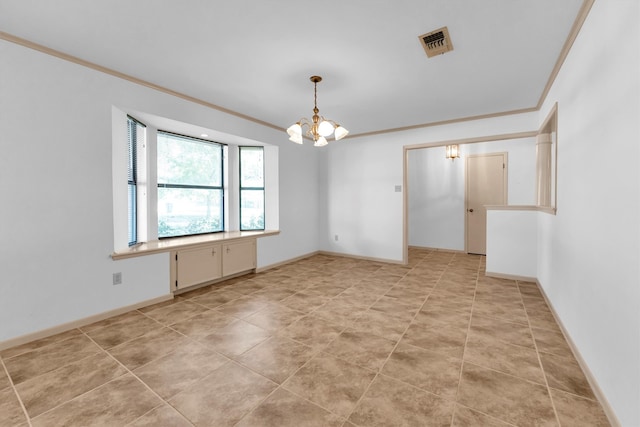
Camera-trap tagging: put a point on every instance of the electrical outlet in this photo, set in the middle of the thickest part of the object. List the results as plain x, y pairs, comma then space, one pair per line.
117, 278
336, 237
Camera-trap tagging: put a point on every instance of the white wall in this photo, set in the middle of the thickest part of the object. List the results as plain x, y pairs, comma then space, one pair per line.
436, 199
358, 177
56, 184
436, 189
512, 243
589, 253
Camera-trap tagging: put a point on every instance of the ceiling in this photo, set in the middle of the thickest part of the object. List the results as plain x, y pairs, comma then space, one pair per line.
255, 57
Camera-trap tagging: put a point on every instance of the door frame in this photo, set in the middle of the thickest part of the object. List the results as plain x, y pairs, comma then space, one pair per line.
405, 174
505, 195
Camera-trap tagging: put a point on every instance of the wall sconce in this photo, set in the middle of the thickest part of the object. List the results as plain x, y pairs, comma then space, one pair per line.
452, 152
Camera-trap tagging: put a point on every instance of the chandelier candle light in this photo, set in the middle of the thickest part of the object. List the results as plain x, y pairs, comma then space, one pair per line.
318, 128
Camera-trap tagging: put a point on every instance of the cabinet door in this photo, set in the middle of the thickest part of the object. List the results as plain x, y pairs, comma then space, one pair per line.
238, 257
199, 265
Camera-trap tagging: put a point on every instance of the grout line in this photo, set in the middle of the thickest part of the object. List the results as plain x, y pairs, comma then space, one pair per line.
378, 372
15, 392
130, 372
487, 415
466, 340
535, 344
344, 326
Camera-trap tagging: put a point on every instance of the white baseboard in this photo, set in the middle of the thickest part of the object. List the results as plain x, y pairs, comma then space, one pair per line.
310, 254
597, 391
510, 277
44, 333
365, 258
454, 251
289, 261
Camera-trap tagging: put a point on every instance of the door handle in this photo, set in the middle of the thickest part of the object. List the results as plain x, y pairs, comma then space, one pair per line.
470, 210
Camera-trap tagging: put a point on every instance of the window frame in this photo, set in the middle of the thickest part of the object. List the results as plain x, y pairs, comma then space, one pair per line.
132, 179
220, 188
241, 188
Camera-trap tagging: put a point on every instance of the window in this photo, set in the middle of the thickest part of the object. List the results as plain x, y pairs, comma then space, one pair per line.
251, 188
190, 186
135, 138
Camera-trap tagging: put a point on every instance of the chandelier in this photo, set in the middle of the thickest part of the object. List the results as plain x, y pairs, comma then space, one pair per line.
452, 152
318, 128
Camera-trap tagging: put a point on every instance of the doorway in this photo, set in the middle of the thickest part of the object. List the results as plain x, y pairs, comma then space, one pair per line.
486, 184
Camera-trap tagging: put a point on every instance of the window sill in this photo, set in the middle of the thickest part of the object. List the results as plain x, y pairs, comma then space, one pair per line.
545, 209
168, 245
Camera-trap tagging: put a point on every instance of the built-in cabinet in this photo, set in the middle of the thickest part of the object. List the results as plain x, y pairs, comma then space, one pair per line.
208, 263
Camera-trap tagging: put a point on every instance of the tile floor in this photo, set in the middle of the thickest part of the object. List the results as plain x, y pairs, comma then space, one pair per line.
324, 341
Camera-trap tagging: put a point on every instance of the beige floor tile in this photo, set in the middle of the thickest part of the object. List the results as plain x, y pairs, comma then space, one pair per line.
360, 296
217, 298
49, 390
577, 411
515, 360
323, 327
508, 332
274, 317
428, 370
176, 371
362, 348
396, 307
243, 306
565, 374
381, 324
329, 289
163, 415
445, 339
431, 317
413, 296
332, 383
551, 341
530, 289
276, 358
123, 330
173, 313
50, 357
313, 331
441, 299
116, 403
197, 292
10, 409
388, 402
505, 397
274, 294
235, 338
4, 379
223, 397
33, 345
144, 349
203, 324
512, 312
543, 320
465, 417
305, 301
340, 311
125, 318
248, 286
283, 409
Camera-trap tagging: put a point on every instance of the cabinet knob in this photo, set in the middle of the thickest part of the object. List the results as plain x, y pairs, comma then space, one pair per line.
213, 251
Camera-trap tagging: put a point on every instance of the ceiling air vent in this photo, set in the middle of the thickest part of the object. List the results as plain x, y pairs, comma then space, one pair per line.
436, 42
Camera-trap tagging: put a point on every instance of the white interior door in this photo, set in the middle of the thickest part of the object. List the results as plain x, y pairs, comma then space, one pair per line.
486, 184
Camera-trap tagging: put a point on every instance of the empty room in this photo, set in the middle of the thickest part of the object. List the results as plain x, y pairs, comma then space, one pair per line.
363, 213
